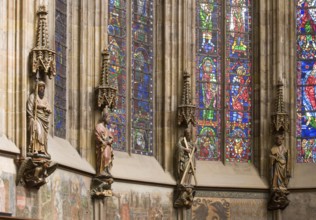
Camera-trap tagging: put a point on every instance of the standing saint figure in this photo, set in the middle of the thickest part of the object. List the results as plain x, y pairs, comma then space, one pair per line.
38, 112
104, 141
185, 168
279, 160
185, 160
280, 175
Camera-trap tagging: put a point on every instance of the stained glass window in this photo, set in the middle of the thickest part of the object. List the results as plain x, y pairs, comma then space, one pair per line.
223, 80
142, 80
135, 97
117, 47
306, 81
61, 61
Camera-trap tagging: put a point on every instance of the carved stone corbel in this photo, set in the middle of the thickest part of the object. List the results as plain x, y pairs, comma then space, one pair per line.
183, 196
36, 166
32, 172
280, 163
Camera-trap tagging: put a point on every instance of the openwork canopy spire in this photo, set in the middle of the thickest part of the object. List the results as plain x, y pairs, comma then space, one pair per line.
43, 58
186, 110
280, 119
106, 91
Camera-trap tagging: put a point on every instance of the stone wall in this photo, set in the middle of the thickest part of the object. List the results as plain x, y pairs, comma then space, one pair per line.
229, 205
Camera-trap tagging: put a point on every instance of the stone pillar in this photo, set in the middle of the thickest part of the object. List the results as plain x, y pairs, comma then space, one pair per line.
16, 36
168, 99
277, 37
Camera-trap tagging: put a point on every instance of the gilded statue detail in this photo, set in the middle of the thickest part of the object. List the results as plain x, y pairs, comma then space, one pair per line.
101, 183
104, 141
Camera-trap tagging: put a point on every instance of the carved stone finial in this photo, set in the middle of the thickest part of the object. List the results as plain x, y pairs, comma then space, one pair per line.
106, 90
186, 110
280, 119
43, 58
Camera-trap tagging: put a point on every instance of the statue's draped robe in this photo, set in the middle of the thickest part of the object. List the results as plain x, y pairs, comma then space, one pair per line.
104, 150
38, 126
279, 168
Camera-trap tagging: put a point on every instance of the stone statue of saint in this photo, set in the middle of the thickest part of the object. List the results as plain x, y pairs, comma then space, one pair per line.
104, 140
280, 175
38, 112
184, 170
185, 159
279, 162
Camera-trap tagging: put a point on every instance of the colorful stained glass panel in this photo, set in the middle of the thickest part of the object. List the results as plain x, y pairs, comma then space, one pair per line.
117, 48
238, 149
208, 79
209, 27
238, 95
306, 81
306, 150
142, 77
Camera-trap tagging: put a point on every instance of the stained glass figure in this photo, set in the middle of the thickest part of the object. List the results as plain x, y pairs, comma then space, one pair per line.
61, 65
236, 79
208, 79
117, 48
306, 81
142, 77
238, 93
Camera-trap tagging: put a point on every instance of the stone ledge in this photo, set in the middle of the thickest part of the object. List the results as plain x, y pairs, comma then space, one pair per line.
65, 154
230, 175
8, 146
7, 165
304, 176
139, 168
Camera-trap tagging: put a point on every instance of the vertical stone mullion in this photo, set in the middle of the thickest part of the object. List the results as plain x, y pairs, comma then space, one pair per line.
4, 54
50, 89
290, 74
166, 88
83, 68
172, 68
158, 54
73, 72
25, 41
12, 65
91, 71
264, 70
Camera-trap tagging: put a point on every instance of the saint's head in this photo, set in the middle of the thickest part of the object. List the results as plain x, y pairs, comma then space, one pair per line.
41, 89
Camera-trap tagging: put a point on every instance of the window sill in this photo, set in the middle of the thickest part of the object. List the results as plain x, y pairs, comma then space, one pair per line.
8, 146
139, 168
231, 175
63, 153
304, 176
